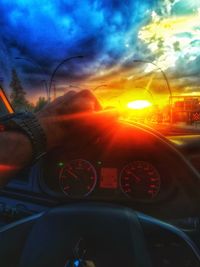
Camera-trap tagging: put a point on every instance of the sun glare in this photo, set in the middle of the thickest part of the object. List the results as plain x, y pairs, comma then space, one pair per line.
139, 104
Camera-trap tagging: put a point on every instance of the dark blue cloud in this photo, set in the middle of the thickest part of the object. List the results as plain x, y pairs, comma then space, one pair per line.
48, 31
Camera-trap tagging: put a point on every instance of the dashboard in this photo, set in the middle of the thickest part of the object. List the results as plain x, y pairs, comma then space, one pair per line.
125, 164
134, 180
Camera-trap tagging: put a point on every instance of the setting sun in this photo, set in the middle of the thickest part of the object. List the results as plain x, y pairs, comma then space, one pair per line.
139, 104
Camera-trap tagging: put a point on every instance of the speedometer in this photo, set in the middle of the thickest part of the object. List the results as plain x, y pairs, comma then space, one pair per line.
78, 178
140, 180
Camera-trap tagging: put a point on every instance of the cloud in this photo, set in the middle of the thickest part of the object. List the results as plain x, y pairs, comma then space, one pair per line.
48, 31
105, 32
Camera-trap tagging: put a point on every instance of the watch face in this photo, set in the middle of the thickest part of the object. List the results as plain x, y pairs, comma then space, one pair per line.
5, 106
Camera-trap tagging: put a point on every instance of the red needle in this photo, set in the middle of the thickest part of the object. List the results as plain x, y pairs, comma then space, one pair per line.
72, 174
138, 179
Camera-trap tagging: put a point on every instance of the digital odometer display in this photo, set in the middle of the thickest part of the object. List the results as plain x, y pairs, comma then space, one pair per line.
78, 178
108, 178
140, 180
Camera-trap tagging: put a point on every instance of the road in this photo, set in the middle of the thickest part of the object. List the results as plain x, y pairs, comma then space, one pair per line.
176, 129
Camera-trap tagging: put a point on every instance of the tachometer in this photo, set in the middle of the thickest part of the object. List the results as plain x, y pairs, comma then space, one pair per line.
140, 180
78, 178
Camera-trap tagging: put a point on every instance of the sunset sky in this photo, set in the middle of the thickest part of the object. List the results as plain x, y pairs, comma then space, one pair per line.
110, 35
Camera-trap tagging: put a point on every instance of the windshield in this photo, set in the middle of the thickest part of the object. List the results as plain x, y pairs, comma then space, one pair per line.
140, 57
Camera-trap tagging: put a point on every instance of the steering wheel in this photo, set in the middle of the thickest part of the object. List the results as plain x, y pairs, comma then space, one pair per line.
87, 235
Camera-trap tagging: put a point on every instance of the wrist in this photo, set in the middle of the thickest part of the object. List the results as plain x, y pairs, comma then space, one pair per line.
48, 126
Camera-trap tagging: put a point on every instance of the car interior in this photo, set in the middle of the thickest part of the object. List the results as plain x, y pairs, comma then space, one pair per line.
165, 203
127, 197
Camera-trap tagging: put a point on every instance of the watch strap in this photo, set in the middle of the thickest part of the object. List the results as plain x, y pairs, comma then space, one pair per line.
27, 123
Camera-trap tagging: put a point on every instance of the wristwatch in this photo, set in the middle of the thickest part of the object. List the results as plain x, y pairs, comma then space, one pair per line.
27, 123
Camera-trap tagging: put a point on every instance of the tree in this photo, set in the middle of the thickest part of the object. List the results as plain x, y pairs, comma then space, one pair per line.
18, 99
40, 104
30, 107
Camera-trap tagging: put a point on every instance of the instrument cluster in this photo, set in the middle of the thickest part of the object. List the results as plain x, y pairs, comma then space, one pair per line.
138, 180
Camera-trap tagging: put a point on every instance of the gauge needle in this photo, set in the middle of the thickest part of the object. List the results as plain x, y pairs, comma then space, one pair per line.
72, 174
138, 179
